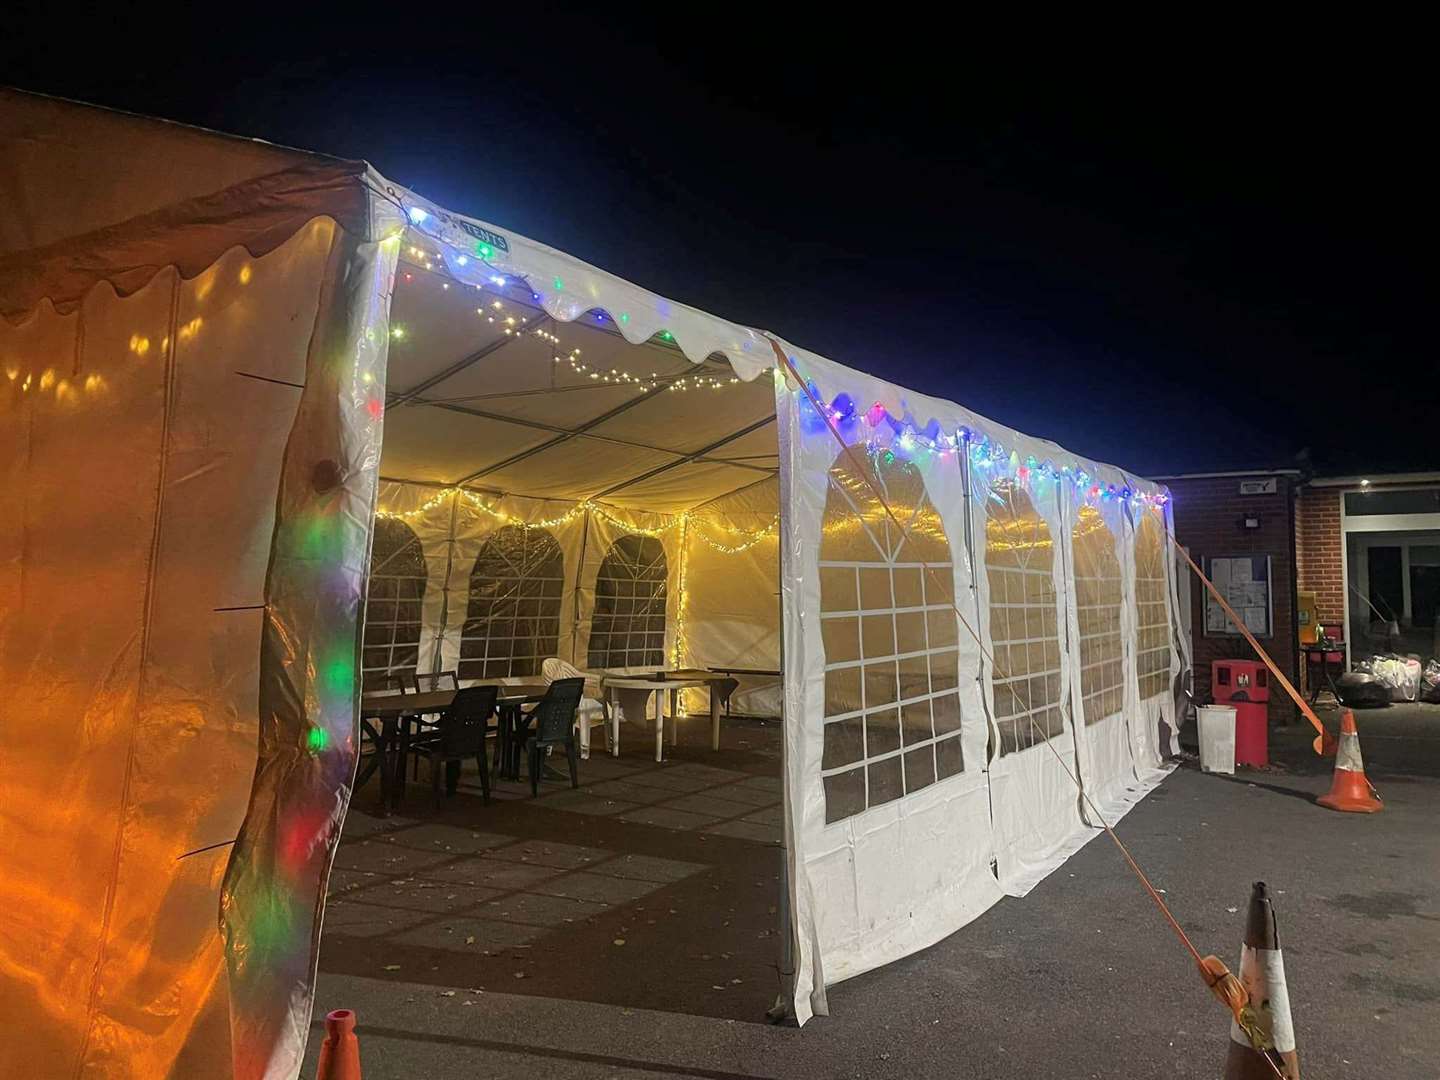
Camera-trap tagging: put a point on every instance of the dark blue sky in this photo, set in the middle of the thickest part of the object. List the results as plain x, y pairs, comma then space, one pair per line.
1203, 256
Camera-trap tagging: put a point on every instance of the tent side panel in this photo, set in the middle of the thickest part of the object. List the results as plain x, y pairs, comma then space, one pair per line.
81, 475
272, 897
1157, 656
241, 334
523, 594
170, 493
801, 681
887, 801
1100, 672
731, 602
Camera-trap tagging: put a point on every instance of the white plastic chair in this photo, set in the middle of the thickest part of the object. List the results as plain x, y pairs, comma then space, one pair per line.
593, 710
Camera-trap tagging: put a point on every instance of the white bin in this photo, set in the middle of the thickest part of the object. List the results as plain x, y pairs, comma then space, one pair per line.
1217, 738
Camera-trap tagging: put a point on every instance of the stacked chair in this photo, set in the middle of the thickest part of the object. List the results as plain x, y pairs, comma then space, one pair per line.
592, 711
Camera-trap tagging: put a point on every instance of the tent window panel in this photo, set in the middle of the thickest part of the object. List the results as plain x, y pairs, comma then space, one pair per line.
394, 604
844, 743
915, 727
889, 636
909, 592
1153, 622
844, 795
919, 768
886, 780
627, 628
1098, 599
842, 641
1024, 624
948, 759
510, 629
882, 731
945, 714
910, 632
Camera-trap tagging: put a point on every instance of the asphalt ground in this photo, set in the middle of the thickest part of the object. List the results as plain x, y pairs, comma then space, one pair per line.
499, 957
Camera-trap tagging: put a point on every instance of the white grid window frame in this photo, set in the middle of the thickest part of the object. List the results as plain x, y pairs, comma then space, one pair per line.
1024, 620
512, 617
394, 604
1152, 630
1099, 598
627, 626
892, 723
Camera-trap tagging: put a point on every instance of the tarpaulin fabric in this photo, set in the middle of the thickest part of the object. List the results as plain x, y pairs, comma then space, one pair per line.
256, 216
70, 170
143, 441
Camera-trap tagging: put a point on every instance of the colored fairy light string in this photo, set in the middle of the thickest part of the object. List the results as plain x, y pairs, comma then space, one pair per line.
890, 438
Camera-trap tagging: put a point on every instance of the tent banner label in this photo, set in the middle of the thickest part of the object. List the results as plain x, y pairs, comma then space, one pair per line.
485, 236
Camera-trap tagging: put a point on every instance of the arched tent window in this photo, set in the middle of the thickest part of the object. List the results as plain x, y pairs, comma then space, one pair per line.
1152, 622
1098, 597
512, 622
1024, 628
394, 603
628, 626
892, 711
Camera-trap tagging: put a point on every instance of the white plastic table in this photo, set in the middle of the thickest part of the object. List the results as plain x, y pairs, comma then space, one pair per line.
674, 683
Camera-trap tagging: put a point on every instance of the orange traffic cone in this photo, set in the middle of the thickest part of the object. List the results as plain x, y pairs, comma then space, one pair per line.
340, 1052
1350, 790
1263, 1030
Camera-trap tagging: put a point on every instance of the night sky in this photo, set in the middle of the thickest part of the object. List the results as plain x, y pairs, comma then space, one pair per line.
1187, 263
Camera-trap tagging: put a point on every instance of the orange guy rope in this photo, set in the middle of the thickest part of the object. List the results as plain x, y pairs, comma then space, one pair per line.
1324, 742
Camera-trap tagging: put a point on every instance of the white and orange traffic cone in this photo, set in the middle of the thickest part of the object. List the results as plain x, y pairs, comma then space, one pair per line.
1350, 791
1262, 1037
340, 1052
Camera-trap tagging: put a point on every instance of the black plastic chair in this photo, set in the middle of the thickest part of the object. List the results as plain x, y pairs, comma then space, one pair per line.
554, 718
459, 734
439, 680
415, 683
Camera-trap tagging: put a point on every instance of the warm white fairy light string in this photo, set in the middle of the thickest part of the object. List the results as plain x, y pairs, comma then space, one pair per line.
671, 521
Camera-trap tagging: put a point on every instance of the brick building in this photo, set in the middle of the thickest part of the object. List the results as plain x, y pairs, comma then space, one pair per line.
1368, 548
1229, 516
1319, 550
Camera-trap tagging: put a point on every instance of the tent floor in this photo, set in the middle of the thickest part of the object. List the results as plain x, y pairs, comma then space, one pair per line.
651, 886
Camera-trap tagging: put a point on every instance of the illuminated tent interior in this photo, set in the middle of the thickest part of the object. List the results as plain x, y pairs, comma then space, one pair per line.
534, 462
266, 437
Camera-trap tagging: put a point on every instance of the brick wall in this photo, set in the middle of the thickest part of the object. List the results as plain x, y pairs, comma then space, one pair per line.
1318, 551
1207, 522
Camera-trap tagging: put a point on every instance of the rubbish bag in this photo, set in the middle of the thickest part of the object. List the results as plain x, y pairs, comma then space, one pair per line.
1359, 690
1430, 682
1401, 674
